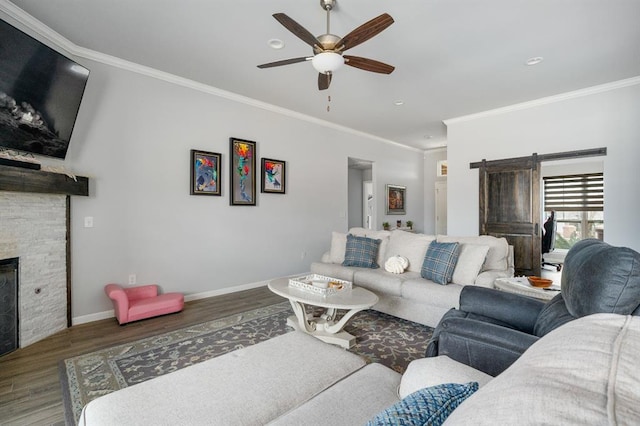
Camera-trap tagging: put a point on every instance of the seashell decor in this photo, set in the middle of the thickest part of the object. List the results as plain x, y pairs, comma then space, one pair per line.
396, 264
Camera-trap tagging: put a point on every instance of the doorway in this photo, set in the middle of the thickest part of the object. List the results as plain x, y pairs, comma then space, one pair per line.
361, 210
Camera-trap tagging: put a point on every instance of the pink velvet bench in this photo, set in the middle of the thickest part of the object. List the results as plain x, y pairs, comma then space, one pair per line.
136, 303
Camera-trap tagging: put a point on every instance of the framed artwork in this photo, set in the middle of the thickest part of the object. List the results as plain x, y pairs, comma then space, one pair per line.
205, 173
396, 199
442, 168
273, 176
242, 172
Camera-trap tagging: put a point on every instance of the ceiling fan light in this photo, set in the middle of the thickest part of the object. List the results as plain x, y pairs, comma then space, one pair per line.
327, 62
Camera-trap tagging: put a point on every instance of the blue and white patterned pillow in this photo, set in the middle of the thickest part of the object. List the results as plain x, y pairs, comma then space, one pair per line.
429, 406
440, 262
361, 251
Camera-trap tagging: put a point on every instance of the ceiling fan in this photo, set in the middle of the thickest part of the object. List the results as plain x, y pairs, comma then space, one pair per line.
328, 48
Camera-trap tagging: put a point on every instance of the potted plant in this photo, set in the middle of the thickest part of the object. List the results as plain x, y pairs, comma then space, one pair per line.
385, 226
410, 224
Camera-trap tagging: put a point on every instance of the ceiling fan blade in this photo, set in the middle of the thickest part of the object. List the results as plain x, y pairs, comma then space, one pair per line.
297, 29
368, 64
284, 62
365, 31
324, 80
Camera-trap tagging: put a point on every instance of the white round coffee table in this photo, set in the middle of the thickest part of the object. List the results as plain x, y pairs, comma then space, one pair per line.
324, 327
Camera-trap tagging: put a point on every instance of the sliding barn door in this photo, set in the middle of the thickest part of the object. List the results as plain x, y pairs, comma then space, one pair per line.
510, 208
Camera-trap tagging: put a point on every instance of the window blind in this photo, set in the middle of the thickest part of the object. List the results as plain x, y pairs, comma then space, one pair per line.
574, 192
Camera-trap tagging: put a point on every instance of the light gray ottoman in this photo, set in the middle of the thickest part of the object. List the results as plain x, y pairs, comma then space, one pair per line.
250, 386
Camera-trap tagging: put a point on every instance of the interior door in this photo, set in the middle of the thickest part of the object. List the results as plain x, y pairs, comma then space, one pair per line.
510, 208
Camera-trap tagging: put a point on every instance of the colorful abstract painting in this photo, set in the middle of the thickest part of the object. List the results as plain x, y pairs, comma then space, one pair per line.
205, 173
273, 176
243, 173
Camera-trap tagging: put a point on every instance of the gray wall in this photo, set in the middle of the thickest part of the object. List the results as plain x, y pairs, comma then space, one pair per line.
133, 138
604, 116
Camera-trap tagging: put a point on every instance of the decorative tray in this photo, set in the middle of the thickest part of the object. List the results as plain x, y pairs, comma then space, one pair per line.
320, 284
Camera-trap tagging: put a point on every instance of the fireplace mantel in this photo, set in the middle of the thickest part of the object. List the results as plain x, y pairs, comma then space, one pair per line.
18, 179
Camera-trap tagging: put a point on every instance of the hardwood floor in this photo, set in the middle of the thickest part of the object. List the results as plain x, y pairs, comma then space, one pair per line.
30, 391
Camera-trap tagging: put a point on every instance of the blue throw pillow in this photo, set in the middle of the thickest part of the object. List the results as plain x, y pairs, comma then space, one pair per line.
440, 262
361, 251
429, 406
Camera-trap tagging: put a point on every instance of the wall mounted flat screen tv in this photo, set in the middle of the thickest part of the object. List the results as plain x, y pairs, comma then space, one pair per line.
40, 94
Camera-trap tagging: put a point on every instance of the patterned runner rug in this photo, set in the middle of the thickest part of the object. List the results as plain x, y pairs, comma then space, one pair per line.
380, 338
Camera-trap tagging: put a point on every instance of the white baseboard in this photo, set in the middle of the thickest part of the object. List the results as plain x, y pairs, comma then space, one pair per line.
83, 319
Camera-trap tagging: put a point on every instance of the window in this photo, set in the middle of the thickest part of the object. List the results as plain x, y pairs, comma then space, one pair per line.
578, 201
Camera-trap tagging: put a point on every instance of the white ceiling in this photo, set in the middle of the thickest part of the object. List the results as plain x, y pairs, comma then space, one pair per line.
452, 57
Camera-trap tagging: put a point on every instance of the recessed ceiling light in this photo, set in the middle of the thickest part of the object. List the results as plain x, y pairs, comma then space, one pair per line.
275, 43
398, 103
534, 61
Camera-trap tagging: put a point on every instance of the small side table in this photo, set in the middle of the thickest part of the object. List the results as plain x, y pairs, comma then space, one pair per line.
520, 285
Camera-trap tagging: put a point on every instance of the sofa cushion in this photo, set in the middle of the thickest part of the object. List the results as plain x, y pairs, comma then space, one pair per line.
374, 387
497, 256
409, 245
424, 291
439, 262
361, 252
429, 406
338, 247
380, 281
470, 261
425, 372
582, 373
383, 236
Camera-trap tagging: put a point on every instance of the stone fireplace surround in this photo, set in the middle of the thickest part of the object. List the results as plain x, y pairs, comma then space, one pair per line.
34, 227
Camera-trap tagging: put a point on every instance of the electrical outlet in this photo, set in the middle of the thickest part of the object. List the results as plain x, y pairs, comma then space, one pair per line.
303, 255
132, 279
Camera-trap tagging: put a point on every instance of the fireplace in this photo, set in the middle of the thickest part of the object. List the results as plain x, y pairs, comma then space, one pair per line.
8, 305
35, 228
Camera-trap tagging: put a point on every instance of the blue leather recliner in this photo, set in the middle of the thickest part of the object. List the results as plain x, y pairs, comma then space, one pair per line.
492, 328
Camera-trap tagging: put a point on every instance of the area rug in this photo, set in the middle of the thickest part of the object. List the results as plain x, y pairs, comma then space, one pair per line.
380, 338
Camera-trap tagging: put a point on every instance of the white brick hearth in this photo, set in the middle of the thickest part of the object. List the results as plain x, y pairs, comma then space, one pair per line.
33, 229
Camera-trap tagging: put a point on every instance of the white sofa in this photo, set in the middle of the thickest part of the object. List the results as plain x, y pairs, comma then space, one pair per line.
584, 372
482, 259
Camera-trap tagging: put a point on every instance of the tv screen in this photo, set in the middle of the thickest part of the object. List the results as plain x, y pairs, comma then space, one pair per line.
40, 94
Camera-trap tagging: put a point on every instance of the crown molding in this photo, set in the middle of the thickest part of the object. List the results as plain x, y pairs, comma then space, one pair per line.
435, 150
547, 100
72, 49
